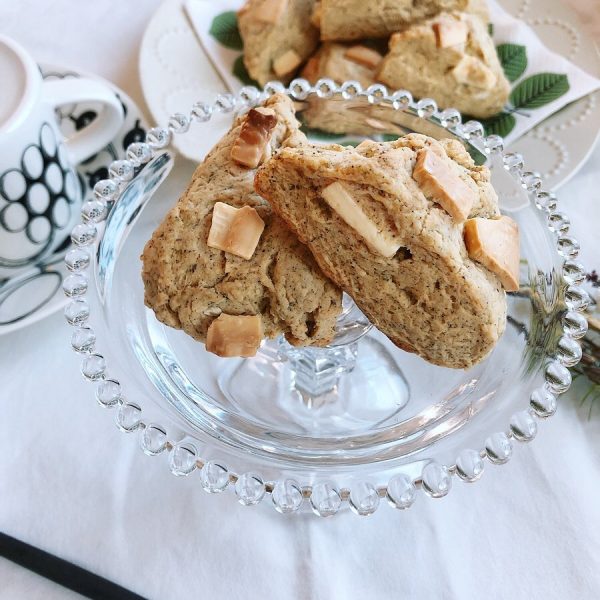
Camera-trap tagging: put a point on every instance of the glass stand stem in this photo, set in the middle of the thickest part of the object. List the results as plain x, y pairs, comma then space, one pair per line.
319, 390
316, 371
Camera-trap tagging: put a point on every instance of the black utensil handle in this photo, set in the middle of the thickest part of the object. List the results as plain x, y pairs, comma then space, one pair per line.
62, 572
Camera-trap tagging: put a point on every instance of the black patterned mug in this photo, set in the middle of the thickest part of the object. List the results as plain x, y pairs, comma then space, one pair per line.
40, 194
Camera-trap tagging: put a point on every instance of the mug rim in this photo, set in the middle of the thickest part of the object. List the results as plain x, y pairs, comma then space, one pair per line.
32, 84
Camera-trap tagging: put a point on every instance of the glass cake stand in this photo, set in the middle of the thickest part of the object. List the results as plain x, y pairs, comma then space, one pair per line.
321, 429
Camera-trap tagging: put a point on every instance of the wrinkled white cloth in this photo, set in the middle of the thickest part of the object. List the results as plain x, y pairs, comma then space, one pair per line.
72, 484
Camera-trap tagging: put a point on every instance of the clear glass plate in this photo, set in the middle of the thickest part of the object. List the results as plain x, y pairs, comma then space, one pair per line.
358, 421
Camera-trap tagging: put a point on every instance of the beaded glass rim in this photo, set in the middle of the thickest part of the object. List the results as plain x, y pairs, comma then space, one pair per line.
325, 498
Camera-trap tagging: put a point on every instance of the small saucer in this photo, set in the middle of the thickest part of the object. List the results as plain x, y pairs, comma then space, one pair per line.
37, 293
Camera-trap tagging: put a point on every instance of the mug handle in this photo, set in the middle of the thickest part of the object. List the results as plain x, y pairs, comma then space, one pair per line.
90, 140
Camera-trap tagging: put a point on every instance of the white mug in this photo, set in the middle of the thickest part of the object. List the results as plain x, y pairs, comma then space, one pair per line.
40, 194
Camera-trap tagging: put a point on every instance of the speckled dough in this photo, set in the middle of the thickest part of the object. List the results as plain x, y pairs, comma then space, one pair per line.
430, 298
416, 64
188, 284
264, 42
358, 19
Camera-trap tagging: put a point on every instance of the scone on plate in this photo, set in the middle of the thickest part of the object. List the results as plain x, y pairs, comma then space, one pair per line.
278, 37
360, 19
222, 266
343, 62
412, 231
450, 58
340, 62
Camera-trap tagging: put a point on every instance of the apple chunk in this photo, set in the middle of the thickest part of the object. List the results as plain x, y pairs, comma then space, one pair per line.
231, 335
440, 181
235, 230
341, 201
495, 244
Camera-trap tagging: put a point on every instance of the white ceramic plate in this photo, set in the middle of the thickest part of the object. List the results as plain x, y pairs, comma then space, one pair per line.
175, 72
38, 293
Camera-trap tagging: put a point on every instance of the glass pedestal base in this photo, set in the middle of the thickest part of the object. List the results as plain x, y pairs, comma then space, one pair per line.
349, 426
324, 391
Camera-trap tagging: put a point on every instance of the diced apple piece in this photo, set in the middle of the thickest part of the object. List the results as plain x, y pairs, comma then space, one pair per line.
270, 11
255, 134
235, 230
286, 63
363, 56
495, 244
342, 202
244, 233
473, 72
450, 32
263, 110
247, 155
438, 179
229, 336
222, 217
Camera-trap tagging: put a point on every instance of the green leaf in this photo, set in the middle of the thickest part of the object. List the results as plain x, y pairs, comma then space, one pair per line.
501, 124
240, 71
389, 137
491, 29
539, 89
513, 59
224, 28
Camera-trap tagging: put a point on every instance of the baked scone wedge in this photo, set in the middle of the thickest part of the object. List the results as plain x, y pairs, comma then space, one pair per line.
450, 58
386, 240
343, 62
360, 19
189, 283
340, 62
278, 37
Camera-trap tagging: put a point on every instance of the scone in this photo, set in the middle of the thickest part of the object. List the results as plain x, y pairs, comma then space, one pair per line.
385, 222
189, 281
278, 37
360, 19
343, 62
480, 9
450, 58
340, 62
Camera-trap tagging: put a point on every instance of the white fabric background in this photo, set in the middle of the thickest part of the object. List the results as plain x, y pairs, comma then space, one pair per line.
71, 483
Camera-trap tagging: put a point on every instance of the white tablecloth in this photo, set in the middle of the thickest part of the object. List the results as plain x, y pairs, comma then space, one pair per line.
72, 484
